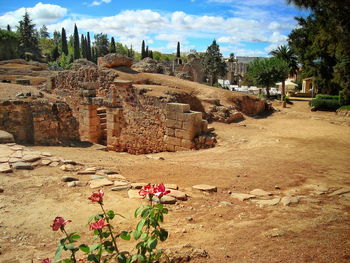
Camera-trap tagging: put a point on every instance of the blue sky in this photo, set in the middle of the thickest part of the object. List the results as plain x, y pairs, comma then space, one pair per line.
244, 27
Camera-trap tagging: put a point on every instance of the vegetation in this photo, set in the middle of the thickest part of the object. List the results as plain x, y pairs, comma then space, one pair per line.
64, 45
8, 45
213, 63
28, 42
76, 45
325, 104
267, 71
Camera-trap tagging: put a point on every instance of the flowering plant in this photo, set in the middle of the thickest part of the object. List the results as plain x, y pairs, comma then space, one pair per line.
104, 249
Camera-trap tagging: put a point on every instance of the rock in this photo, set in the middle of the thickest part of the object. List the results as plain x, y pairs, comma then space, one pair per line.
23, 166
105, 172
15, 160
67, 168
115, 177
16, 148
86, 172
166, 199
121, 183
4, 159
121, 188
55, 159
46, 162
100, 183
171, 186
225, 114
288, 200
17, 154
178, 195
242, 197
340, 192
114, 60
137, 185
46, 154
6, 137
5, 168
1, 190
270, 202
71, 184
275, 232
311, 200
94, 169
259, 192
148, 65
54, 164
67, 178
78, 63
80, 183
96, 177
185, 253
69, 162
31, 158
134, 194
205, 187
225, 203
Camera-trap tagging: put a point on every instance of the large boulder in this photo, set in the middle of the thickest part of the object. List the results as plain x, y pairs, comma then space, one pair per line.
224, 114
78, 63
148, 65
6, 137
114, 60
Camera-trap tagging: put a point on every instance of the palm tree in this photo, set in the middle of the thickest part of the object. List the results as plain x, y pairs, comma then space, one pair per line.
285, 53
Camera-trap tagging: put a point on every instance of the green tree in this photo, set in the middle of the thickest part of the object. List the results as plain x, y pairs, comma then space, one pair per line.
83, 50
286, 54
43, 33
143, 50
76, 44
64, 44
213, 63
47, 46
8, 45
112, 46
178, 55
101, 45
266, 72
55, 54
151, 54
9, 28
57, 37
28, 43
88, 53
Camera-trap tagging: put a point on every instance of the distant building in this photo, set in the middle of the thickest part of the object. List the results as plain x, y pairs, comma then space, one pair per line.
237, 68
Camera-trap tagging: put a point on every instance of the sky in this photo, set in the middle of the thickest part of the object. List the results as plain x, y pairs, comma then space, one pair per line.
242, 27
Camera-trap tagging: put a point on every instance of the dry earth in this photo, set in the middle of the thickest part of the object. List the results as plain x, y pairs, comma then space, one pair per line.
287, 153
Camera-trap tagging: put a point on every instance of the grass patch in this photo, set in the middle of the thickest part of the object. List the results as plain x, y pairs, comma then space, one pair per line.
345, 107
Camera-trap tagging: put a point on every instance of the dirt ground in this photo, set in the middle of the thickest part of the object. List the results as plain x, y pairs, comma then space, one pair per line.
288, 152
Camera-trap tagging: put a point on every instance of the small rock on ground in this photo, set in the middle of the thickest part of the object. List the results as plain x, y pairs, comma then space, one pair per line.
67, 178
120, 188
86, 172
116, 177
178, 195
288, 200
205, 187
242, 197
100, 183
171, 186
5, 168
6, 137
260, 192
340, 192
271, 202
166, 199
121, 183
54, 164
134, 194
46, 162
137, 185
23, 166
31, 158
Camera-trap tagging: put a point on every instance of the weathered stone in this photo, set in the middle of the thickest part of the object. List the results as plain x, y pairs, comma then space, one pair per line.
71, 184
115, 177
288, 200
17, 154
23, 166
121, 183
114, 60
5, 168
46, 162
67, 168
137, 185
54, 164
31, 158
242, 197
15, 160
134, 194
69, 162
105, 172
271, 202
96, 177
171, 186
67, 178
260, 192
185, 253
6, 137
46, 154
4, 159
205, 188
100, 183
178, 195
16, 148
120, 188
340, 191
80, 183
86, 172
166, 199
225, 203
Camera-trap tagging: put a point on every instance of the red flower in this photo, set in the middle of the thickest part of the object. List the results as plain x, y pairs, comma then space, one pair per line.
147, 190
97, 197
81, 260
98, 224
59, 223
46, 260
160, 191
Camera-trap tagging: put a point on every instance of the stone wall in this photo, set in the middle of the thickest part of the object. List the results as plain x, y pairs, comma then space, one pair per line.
38, 122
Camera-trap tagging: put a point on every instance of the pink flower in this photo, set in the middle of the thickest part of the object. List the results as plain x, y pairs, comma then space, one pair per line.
46, 260
160, 191
81, 260
97, 197
98, 224
59, 223
147, 190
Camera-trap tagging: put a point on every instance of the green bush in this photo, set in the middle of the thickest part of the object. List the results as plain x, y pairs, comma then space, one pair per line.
346, 107
344, 97
287, 100
327, 97
325, 104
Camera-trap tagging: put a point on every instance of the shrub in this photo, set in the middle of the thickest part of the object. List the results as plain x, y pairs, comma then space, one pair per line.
344, 97
346, 107
325, 104
287, 100
327, 97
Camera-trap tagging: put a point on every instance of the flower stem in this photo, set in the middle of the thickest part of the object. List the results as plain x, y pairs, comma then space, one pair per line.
110, 229
71, 250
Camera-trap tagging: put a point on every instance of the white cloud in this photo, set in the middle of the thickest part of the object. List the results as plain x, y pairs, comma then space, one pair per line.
41, 14
97, 3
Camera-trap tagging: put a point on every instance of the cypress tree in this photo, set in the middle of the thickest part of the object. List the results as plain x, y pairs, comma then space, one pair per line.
112, 46
88, 53
146, 52
64, 42
8, 28
178, 50
55, 54
76, 45
151, 54
143, 51
83, 51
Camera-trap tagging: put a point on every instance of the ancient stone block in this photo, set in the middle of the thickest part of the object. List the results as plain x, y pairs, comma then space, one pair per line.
179, 148
173, 124
178, 107
172, 140
184, 134
204, 126
171, 115
170, 132
193, 116
187, 144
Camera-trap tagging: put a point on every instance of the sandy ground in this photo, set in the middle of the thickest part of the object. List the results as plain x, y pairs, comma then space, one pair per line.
286, 153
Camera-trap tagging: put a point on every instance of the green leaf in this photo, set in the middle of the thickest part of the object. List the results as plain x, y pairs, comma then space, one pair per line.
74, 237
140, 225
94, 247
137, 234
144, 236
84, 248
125, 235
58, 253
93, 258
139, 210
146, 212
152, 243
163, 234
95, 217
69, 246
110, 214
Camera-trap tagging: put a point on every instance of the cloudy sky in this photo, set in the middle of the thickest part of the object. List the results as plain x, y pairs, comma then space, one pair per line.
244, 27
